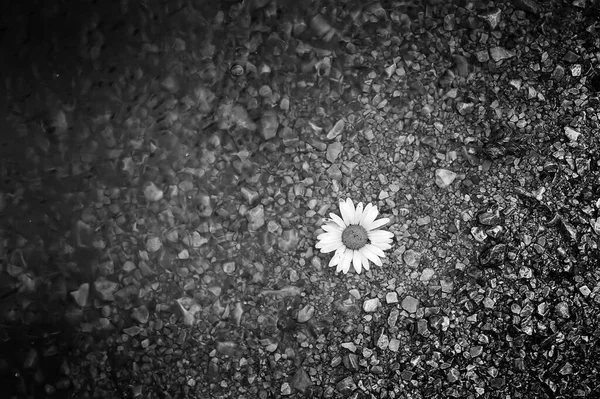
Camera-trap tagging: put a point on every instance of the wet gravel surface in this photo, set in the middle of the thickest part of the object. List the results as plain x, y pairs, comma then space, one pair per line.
166, 167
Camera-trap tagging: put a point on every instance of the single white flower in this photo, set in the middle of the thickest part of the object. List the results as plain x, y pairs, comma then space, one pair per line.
355, 237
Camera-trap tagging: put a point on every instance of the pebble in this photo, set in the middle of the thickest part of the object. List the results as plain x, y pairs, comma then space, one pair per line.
562, 310
288, 241
370, 305
444, 177
301, 380
334, 172
500, 54
106, 289
453, 375
394, 345
393, 317
346, 386
153, 193
427, 274
153, 244
256, 218
571, 133
528, 5
333, 151
411, 258
410, 304
269, 124
306, 313
585, 291
251, 196
391, 297
336, 130
286, 389
140, 314
81, 294
493, 18
383, 341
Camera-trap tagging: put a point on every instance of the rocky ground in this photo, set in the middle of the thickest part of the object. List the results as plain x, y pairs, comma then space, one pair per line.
166, 168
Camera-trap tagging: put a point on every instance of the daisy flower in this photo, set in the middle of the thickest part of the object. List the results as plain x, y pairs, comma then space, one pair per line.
355, 237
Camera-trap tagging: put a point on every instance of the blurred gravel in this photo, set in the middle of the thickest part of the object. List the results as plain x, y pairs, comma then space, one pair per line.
166, 168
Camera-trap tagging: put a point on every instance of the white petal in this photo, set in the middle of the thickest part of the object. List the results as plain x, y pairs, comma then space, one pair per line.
347, 210
335, 260
371, 256
346, 260
384, 246
378, 223
332, 227
370, 216
356, 261
330, 247
338, 220
377, 251
365, 260
330, 237
358, 214
380, 235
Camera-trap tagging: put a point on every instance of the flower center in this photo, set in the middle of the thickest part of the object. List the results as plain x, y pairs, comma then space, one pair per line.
355, 237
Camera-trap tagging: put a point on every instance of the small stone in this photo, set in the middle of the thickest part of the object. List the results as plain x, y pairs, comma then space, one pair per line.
383, 341
81, 294
394, 345
444, 177
306, 313
489, 303
106, 289
250, 195
171, 84
493, 18
140, 314
334, 172
489, 218
464, 108
370, 305
447, 286
152, 193
333, 151
571, 133
301, 381
500, 54
269, 124
411, 258
153, 244
525, 272
478, 234
256, 218
229, 267
453, 375
476, 351
393, 317
288, 241
427, 274
346, 386
562, 310
350, 346
286, 389
391, 297
336, 130
410, 304
527, 5
497, 383
132, 331
461, 64
585, 291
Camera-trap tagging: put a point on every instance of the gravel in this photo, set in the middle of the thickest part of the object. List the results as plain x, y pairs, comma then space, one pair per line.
167, 168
